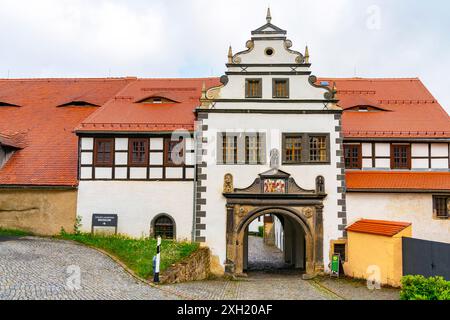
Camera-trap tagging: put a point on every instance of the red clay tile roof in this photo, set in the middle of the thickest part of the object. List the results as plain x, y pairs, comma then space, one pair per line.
411, 109
49, 156
414, 181
124, 113
378, 227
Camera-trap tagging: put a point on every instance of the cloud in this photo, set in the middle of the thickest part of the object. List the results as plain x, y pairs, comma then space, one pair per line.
179, 38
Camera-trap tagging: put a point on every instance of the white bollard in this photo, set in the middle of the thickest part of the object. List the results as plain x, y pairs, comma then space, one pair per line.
158, 260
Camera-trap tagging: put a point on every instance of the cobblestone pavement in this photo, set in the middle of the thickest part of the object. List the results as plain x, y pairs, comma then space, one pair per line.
37, 269
357, 289
263, 257
258, 286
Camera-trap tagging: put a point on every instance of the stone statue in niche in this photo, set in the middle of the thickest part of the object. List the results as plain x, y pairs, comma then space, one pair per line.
228, 183
320, 185
274, 159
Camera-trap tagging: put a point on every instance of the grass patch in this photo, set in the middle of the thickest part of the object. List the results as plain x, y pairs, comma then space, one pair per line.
13, 233
137, 254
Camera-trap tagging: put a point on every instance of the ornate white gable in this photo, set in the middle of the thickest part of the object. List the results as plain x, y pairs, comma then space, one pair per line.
268, 56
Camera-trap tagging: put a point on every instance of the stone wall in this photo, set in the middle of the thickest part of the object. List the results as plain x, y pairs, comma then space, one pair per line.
40, 211
196, 267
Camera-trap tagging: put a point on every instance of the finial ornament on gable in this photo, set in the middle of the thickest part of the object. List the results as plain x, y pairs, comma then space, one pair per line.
230, 55
203, 91
307, 55
269, 16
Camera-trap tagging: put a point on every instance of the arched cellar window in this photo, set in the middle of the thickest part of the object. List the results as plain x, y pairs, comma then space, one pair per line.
164, 226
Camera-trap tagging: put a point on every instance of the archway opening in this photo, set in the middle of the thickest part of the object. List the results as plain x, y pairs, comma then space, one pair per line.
274, 243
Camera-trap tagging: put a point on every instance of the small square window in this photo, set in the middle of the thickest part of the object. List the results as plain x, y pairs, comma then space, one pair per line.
138, 154
292, 149
253, 88
318, 151
352, 156
280, 88
400, 156
104, 152
441, 206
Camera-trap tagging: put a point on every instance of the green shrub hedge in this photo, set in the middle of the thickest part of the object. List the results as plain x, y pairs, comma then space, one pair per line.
421, 288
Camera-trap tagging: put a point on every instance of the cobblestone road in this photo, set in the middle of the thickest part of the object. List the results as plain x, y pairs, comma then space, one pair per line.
35, 268
262, 257
38, 269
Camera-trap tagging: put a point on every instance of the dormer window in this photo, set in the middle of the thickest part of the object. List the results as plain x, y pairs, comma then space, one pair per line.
6, 104
253, 88
280, 88
78, 103
5, 154
157, 100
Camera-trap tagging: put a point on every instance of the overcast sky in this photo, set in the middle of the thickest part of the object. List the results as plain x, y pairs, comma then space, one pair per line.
190, 38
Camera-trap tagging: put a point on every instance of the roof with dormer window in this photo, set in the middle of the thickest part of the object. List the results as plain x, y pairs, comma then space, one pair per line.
408, 110
128, 112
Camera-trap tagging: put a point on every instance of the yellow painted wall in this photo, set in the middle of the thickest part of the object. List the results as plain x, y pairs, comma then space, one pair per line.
40, 211
366, 250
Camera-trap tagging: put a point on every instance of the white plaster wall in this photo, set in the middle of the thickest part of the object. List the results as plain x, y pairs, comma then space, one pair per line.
258, 55
419, 150
404, 207
366, 149
244, 175
137, 203
279, 234
439, 150
382, 149
439, 163
87, 143
419, 163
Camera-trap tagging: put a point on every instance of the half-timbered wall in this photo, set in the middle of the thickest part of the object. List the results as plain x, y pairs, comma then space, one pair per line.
424, 156
156, 169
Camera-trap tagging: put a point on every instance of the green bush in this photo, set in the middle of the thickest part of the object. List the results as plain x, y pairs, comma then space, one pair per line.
261, 231
421, 288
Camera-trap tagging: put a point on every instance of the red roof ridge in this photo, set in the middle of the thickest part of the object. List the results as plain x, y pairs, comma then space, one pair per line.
68, 79
392, 223
372, 79
195, 78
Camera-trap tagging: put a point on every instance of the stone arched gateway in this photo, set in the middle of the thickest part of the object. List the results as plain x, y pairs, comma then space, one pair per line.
274, 192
